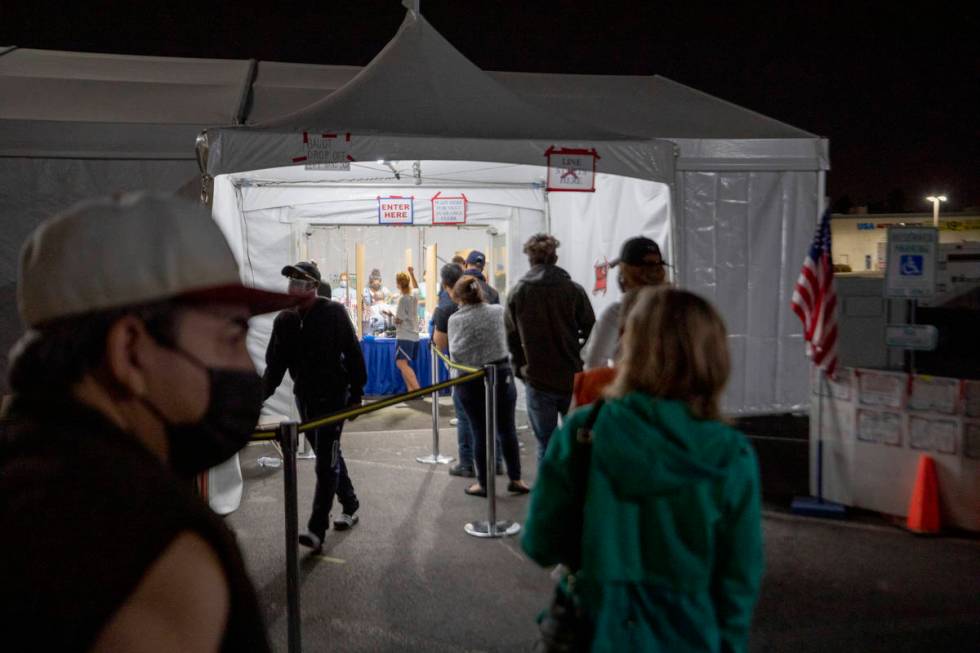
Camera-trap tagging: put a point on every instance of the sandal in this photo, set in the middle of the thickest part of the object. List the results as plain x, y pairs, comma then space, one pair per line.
476, 490
518, 487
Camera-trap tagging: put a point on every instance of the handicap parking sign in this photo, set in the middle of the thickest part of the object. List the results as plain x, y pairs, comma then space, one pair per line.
910, 271
911, 265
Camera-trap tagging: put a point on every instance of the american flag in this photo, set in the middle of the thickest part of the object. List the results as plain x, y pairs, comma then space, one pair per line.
815, 301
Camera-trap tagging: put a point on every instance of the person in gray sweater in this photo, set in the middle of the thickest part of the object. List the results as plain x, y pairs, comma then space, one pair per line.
476, 338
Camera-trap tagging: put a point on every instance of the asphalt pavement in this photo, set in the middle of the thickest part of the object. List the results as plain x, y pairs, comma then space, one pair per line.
407, 577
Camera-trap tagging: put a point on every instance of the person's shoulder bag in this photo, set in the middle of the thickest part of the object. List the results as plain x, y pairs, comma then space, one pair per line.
565, 627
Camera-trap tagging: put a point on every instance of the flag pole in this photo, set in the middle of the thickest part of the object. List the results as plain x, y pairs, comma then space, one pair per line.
817, 506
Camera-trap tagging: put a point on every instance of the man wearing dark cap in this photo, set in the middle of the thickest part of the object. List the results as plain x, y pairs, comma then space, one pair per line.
475, 262
316, 342
549, 317
133, 377
640, 264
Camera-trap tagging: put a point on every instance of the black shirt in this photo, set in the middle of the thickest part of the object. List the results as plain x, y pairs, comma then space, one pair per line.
440, 317
319, 347
85, 510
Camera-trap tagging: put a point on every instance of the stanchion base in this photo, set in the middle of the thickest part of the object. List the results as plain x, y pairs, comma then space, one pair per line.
435, 460
482, 529
815, 507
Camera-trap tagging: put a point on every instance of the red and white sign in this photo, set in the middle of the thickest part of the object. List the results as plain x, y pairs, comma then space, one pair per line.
395, 209
326, 151
571, 169
448, 210
601, 276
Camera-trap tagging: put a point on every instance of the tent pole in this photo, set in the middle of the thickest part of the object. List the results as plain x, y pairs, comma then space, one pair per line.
359, 254
547, 212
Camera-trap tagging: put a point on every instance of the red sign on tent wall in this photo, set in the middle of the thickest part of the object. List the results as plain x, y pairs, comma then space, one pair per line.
326, 151
571, 170
448, 210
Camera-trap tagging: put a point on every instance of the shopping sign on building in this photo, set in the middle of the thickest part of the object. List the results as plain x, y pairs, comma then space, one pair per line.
571, 169
911, 263
395, 209
326, 151
448, 210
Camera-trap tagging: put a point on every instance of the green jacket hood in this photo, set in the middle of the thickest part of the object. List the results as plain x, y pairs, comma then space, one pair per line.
654, 447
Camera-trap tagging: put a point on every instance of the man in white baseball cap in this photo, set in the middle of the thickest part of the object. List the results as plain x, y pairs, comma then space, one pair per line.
133, 377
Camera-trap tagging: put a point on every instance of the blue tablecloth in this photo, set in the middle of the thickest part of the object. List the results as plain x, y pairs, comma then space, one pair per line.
383, 378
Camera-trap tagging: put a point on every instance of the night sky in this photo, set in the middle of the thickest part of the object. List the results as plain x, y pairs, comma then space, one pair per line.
888, 83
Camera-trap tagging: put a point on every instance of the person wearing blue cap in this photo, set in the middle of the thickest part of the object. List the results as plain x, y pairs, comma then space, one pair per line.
475, 262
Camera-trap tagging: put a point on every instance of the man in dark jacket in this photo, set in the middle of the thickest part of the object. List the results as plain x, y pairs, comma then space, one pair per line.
317, 344
475, 263
549, 318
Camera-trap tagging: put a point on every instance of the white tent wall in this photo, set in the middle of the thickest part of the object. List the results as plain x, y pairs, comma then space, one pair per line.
266, 222
32, 189
743, 240
592, 226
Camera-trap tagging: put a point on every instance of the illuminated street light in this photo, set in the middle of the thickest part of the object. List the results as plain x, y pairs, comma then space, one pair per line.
936, 199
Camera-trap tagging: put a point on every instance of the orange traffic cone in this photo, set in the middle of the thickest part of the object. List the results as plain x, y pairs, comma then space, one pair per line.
924, 506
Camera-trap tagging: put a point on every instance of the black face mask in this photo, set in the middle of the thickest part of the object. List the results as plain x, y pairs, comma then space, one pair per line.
234, 405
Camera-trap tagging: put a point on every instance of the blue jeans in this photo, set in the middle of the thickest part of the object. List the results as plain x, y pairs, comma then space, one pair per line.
464, 435
473, 397
543, 408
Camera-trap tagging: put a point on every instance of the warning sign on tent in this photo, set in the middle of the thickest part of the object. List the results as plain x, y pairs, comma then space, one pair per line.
571, 169
395, 209
448, 210
326, 151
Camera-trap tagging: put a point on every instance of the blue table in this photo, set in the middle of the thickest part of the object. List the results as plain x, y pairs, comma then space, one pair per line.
383, 378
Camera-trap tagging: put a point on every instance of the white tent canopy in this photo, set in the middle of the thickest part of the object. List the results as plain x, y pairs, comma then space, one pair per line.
743, 190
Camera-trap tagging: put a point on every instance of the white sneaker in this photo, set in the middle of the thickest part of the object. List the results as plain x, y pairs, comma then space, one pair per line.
453, 422
345, 521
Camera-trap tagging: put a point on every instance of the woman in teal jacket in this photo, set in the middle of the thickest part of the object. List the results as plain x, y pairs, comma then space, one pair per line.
671, 546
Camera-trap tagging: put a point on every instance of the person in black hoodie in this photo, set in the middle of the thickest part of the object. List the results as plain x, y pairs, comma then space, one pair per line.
549, 318
317, 344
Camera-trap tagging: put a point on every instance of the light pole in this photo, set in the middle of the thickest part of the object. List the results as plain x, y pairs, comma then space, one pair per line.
936, 199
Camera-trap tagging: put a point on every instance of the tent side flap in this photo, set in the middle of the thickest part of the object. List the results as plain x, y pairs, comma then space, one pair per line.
56, 139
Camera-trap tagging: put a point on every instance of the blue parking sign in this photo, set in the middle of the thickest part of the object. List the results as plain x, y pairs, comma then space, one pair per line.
911, 265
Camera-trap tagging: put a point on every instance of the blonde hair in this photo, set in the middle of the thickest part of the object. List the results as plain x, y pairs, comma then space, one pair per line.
674, 346
403, 282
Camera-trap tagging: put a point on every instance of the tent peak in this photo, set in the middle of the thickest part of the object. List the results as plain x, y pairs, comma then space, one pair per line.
419, 84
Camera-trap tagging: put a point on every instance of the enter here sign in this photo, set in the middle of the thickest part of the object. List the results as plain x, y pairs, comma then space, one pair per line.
395, 209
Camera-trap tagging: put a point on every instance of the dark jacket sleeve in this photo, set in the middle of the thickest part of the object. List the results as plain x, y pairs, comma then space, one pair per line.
518, 359
353, 356
584, 315
275, 360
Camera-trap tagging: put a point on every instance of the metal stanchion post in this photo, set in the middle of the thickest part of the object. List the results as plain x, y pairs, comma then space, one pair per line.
436, 458
288, 433
491, 527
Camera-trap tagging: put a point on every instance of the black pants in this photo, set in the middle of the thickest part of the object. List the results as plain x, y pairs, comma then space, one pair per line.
331, 470
473, 397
